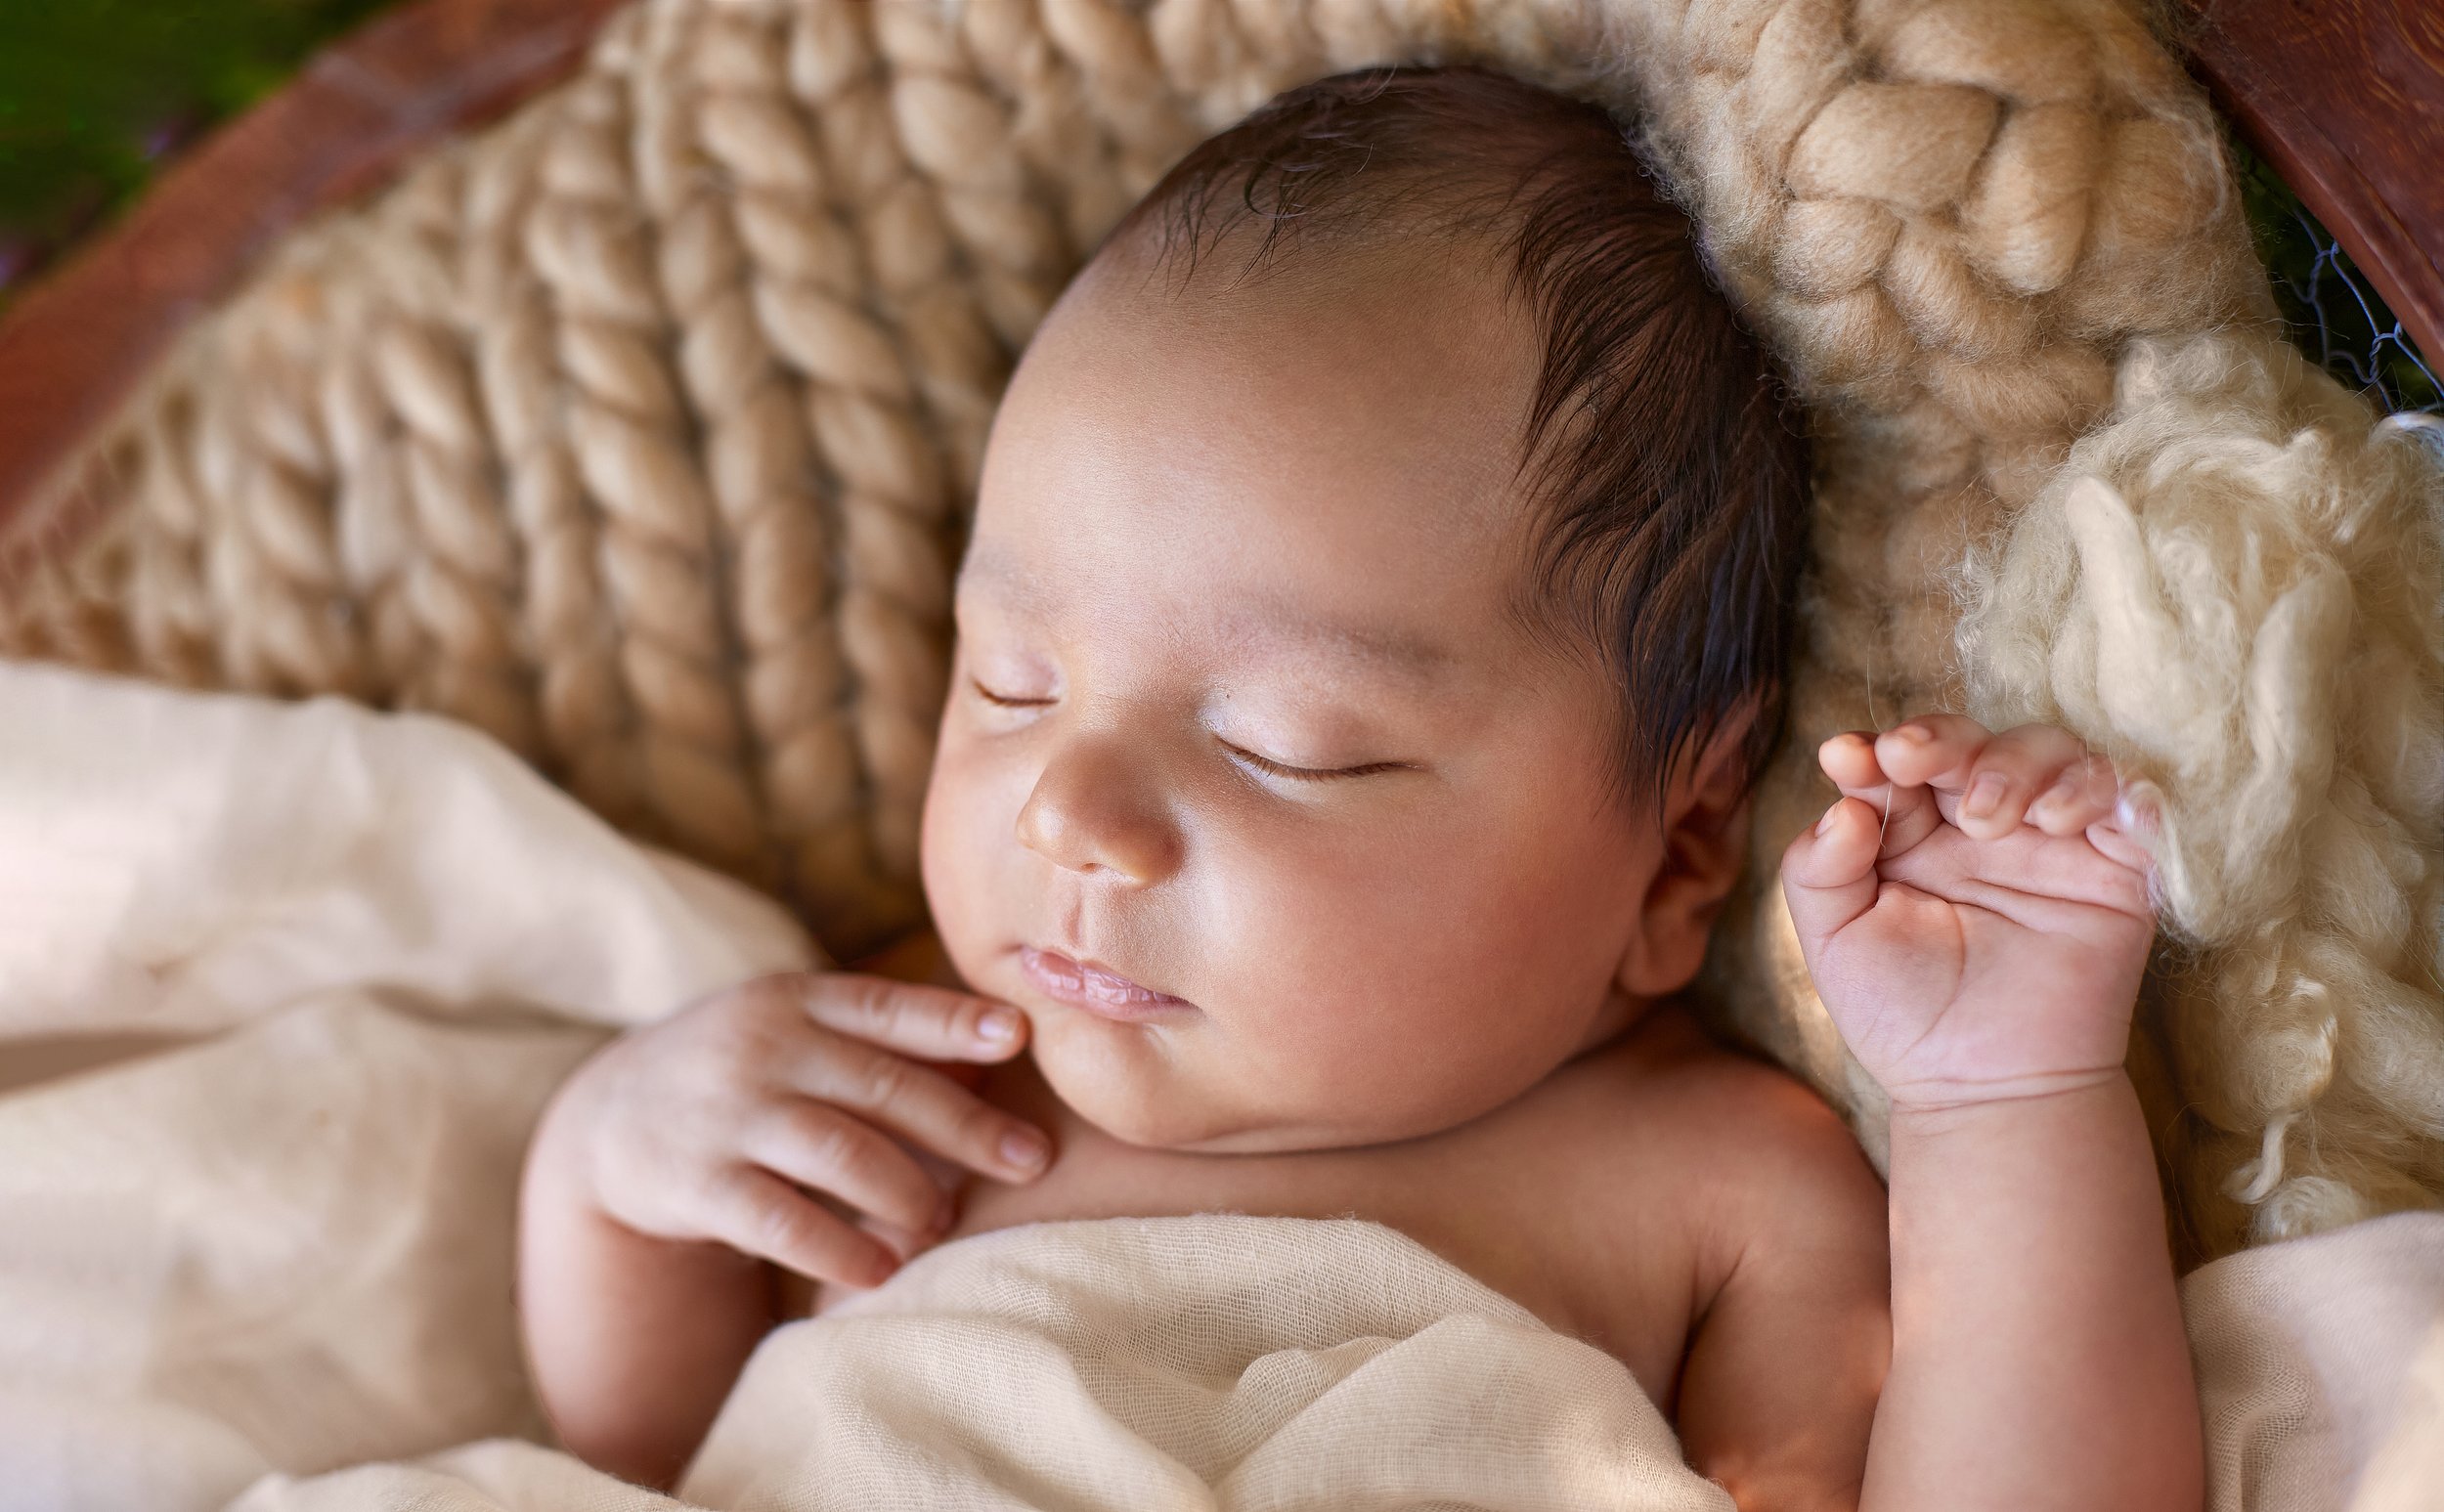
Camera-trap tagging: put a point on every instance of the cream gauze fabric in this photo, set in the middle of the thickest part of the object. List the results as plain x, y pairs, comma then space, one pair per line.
322, 967
1219, 1362
2321, 1369
641, 429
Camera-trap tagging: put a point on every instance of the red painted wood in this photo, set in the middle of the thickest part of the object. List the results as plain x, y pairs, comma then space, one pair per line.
2345, 99
77, 341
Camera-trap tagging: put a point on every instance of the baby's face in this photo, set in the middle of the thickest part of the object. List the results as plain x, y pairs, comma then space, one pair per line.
1255, 792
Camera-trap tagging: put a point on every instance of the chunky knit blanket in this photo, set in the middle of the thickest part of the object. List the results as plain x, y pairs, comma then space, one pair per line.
638, 431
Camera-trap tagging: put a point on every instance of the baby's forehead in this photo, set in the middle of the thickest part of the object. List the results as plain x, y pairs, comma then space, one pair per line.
1326, 461
1404, 385
1367, 342
1458, 274
1319, 481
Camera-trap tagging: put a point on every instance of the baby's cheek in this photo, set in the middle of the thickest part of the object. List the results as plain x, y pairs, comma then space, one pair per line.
1389, 1002
960, 849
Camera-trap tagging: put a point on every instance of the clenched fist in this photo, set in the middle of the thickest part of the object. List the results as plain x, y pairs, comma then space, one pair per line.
1975, 909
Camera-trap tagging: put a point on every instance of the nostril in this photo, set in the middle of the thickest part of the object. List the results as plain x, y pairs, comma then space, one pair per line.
1092, 813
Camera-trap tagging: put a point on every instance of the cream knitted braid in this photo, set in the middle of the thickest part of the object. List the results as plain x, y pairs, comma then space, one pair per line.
461, 588
883, 391
697, 265
370, 523
1049, 56
587, 723
271, 564
962, 138
421, 540
922, 286
64, 608
629, 438
1995, 240
769, 247
169, 616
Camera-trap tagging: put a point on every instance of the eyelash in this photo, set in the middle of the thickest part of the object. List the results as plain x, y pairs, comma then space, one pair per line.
1306, 773
1004, 701
1241, 753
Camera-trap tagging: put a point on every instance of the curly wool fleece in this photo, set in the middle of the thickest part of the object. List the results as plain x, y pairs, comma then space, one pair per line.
638, 431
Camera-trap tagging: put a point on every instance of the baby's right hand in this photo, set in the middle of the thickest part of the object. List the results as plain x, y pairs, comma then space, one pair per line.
719, 1122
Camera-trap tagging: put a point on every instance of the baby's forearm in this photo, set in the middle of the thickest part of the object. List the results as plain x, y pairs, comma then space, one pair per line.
633, 1341
2039, 1358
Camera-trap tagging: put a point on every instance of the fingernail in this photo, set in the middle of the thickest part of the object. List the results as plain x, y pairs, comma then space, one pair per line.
2133, 814
1000, 1026
1915, 734
2059, 794
1985, 794
1824, 826
886, 1266
1025, 1148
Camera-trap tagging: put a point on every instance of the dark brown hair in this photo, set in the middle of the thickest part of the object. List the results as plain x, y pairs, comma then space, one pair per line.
1669, 474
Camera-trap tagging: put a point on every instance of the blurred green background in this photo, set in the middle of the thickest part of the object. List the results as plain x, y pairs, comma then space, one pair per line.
96, 94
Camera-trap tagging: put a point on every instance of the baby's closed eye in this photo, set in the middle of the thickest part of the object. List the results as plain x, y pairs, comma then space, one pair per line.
1295, 772
1012, 700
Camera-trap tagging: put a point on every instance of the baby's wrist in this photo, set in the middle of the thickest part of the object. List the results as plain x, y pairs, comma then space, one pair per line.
1935, 1109
2076, 1150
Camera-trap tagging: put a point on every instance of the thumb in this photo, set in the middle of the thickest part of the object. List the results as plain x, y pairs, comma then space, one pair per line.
1828, 874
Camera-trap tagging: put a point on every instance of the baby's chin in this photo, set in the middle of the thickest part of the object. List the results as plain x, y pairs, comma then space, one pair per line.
1137, 1089
1122, 1080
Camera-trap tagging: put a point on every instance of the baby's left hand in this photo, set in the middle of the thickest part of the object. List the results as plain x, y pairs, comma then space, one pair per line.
1988, 945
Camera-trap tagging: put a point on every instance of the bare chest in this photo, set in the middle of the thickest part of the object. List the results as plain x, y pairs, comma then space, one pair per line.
1549, 1213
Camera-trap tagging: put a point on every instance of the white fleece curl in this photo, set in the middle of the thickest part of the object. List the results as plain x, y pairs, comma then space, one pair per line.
2231, 587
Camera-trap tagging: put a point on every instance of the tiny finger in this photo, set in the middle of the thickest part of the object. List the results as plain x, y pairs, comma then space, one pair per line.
757, 1213
1925, 751
923, 1107
1905, 817
908, 1243
2079, 796
2134, 830
1828, 872
931, 1023
819, 1146
1848, 760
1988, 800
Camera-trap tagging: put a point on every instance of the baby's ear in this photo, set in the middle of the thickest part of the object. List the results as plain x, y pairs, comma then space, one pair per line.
1714, 797
1705, 843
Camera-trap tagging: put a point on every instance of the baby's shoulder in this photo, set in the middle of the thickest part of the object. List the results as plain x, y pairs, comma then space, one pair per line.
1670, 1069
1749, 1149
1661, 1165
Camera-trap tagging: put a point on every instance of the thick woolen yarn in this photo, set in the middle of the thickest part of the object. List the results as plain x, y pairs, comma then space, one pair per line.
639, 431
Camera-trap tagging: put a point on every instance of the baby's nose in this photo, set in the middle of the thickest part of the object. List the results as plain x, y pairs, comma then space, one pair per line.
1091, 812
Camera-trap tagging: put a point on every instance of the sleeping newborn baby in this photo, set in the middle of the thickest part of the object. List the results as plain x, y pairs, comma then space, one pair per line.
1376, 611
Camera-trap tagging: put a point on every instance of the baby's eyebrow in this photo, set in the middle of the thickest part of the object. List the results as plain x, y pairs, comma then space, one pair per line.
990, 571
1260, 619
1391, 648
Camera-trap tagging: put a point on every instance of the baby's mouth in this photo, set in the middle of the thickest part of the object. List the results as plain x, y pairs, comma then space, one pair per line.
1084, 984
